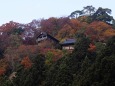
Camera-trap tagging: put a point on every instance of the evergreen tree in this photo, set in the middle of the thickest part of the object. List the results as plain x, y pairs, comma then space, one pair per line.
33, 76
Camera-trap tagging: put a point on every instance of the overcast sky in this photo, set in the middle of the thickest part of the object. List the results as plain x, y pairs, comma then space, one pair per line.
24, 11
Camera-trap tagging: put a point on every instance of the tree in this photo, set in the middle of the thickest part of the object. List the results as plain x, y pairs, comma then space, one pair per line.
26, 62
65, 32
31, 76
101, 72
89, 10
102, 14
81, 46
99, 30
11, 53
17, 31
92, 48
53, 25
76, 14
110, 46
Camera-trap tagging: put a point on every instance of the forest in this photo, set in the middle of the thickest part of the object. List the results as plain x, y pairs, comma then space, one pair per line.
91, 63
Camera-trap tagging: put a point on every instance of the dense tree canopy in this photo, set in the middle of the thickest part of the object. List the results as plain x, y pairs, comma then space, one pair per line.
91, 63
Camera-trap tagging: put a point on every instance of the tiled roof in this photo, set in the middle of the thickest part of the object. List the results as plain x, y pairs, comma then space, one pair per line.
68, 41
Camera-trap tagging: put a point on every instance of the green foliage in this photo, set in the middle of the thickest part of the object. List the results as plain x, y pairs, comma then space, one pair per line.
110, 47
59, 74
63, 71
70, 71
49, 58
32, 76
99, 47
89, 10
4, 81
101, 72
18, 31
103, 14
81, 45
15, 41
76, 14
79, 68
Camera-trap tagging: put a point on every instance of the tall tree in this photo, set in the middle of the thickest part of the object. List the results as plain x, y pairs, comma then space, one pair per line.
76, 14
89, 10
81, 46
32, 76
103, 14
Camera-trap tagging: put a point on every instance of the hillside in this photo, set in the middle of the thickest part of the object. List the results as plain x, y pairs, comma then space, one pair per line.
91, 63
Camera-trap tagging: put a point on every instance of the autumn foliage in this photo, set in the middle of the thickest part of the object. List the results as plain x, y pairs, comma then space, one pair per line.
98, 30
18, 43
56, 53
92, 48
26, 62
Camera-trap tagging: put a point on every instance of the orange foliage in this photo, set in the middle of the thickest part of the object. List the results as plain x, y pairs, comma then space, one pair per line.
92, 48
27, 50
65, 32
99, 30
109, 32
57, 54
70, 29
75, 24
99, 26
26, 62
28, 47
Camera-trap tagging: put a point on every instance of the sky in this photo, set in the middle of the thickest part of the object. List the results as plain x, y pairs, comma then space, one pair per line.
24, 11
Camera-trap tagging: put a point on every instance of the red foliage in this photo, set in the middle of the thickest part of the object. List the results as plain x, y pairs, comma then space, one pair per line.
2, 71
8, 26
92, 48
53, 25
